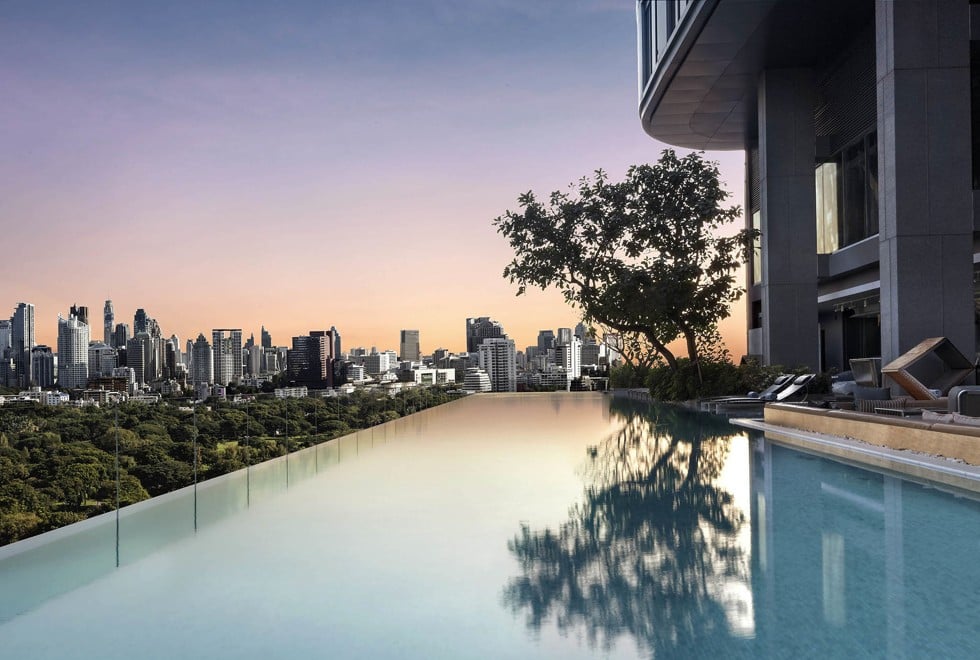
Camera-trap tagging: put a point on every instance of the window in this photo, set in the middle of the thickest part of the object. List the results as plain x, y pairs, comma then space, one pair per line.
646, 44
847, 196
757, 248
827, 208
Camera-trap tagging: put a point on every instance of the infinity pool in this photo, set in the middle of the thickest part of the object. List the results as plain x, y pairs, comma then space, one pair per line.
516, 526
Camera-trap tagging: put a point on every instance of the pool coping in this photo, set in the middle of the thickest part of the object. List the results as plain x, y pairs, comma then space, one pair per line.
919, 466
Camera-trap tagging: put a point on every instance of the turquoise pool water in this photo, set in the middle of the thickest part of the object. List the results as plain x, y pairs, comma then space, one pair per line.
558, 526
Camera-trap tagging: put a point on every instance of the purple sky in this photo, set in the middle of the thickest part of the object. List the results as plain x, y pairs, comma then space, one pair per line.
303, 164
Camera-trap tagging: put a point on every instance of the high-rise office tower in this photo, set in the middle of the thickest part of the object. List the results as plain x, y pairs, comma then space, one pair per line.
409, 348
546, 340
21, 342
581, 331
266, 338
336, 342
80, 312
202, 364
310, 361
170, 361
140, 322
498, 358
108, 322
564, 336
120, 336
72, 352
138, 357
102, 359
5, 331
189, 354
481, 328
42, 366
227, 352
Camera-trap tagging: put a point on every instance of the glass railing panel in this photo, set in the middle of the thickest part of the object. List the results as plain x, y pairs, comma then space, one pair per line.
328, 453
147, 526
222, 497
266, 480
37, 569
302, 465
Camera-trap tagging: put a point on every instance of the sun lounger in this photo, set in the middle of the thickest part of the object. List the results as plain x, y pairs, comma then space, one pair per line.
800, 383
768, 394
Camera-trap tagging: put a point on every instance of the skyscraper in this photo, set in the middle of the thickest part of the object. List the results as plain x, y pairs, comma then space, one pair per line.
266, 338
478, 329
546, 340
564, 336
498, 358
336, 342
42, 366
72, 352
21, 342
102, 359
5, 331
108, 321
80, 312
409, 348
138, 357
310, 361
202, 365
120, 336
140, 321
227, 352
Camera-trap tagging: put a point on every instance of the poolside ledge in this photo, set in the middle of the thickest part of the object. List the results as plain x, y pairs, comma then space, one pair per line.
954, 441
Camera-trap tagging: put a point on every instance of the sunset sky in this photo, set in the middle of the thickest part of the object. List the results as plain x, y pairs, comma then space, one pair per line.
303, 164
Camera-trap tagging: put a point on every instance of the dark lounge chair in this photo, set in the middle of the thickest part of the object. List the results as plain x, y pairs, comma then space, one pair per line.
768, 394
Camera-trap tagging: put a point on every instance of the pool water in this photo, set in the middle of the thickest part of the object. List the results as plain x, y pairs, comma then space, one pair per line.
514, 526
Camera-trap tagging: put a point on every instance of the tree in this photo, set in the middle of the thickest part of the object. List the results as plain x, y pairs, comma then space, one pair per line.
642, 257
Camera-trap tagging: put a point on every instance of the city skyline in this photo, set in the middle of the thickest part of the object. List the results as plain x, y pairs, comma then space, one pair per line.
286, 136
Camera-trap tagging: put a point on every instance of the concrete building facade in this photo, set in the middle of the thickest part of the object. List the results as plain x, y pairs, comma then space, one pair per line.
860, 123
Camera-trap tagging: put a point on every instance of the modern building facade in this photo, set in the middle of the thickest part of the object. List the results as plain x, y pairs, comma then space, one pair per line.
226, 346
202, 363
21, 342
102, 359
860, 123
310, 360
72, 353
108, 322
408, 346
498, 359
481, 328
42, 366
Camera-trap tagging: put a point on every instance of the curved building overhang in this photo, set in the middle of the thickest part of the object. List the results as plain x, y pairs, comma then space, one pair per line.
702, 94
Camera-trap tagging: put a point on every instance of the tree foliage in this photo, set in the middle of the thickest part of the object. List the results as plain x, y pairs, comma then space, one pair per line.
57, 464
644, 257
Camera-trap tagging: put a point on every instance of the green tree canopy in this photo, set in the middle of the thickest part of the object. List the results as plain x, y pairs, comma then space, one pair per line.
643, 257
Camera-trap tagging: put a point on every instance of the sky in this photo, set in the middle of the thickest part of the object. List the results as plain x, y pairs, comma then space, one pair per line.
304, 164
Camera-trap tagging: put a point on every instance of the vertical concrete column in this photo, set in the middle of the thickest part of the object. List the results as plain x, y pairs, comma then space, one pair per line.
787, 150
925, 194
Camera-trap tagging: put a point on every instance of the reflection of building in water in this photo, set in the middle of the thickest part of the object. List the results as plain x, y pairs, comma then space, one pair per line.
857, 563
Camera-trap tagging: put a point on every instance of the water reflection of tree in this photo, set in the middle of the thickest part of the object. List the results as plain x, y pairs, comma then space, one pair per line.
641, 554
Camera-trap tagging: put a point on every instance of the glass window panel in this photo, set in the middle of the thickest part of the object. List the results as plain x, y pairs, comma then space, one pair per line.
871, 191
757, 249
827, 208
853, 182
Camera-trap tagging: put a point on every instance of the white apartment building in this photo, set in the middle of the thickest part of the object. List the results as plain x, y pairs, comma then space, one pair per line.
569, 356
498, 357
73, 338
477, 380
